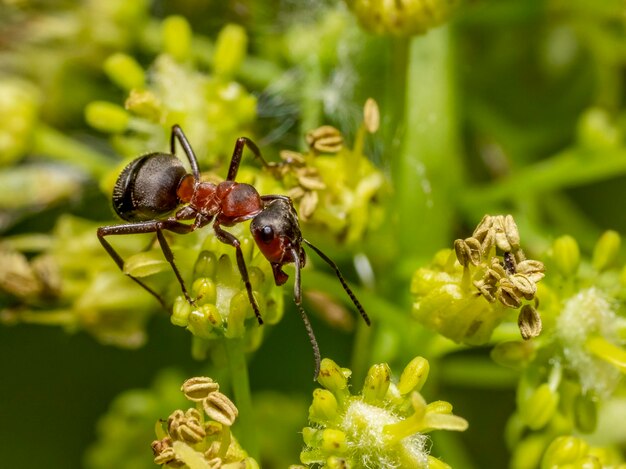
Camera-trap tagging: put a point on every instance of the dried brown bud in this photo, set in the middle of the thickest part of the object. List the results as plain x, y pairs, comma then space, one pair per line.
529, 322
186, 426
308, 204
220, 408
198, 388
292, 157
325, 139
524, 285
371, 116
164, 453
508, 295
468, 250
534, 270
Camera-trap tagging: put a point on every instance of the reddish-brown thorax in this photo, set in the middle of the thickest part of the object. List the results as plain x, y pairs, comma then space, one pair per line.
231, 202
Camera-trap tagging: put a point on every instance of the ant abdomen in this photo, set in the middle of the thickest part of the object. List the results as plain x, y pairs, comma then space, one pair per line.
146, 188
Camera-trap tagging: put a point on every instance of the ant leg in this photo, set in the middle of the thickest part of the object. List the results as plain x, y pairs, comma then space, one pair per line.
227, 238
297, 297
177, 133
235, 160
141, 228
344, 284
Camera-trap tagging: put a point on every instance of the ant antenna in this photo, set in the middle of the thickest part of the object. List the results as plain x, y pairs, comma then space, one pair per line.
344, 284
297, 298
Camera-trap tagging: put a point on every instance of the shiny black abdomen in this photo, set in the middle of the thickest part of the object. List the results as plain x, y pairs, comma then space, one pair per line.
146, 188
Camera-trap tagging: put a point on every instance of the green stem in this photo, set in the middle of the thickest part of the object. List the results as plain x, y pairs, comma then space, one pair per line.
247, 434
53, 144
361, 352
570, 168
427, 171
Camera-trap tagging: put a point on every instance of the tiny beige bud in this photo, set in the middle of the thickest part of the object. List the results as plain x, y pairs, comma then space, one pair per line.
198, 388
501, 236
532, 269
371, 115
475, 250
325, 139
508, 295
167, 456
524, 285
292, 157
308, 204
311, 182
215, 463
220, 408
483, 228
511, 231
487, 290
158, 446
460, 249
529, 322
186, 426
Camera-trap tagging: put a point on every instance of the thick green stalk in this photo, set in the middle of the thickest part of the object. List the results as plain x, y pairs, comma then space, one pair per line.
569, 168
244, 426
427, 171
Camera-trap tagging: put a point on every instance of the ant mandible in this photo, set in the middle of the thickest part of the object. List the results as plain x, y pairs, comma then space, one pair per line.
154, 186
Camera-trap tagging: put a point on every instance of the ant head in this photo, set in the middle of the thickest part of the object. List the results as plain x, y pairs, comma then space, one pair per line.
146, 188
277, 232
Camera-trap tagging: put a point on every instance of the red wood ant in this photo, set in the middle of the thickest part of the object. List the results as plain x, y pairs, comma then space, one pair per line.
154, 186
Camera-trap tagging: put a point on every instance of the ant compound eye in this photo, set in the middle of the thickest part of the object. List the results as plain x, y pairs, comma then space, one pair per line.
266, 234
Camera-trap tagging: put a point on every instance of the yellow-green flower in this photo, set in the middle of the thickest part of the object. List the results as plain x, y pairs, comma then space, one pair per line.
466, 292
385, 425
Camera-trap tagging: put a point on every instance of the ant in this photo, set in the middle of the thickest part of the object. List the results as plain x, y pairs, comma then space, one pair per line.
155, 193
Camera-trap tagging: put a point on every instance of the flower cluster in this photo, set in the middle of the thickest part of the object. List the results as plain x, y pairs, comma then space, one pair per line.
405, 18
385, 425
72, 282
190, 439
465, 293
576, 367
222, 307
213, 109
570, 451
334, 187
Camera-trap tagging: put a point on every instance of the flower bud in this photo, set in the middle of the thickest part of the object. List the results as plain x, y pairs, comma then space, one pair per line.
180, 311
540, 407
230, 50
332, 377
606, 250
324, 406
564, 450
332, 440
125, 71
585, 413
566, 255
376, 382
414, 376
203, 289
107, 117
177, 34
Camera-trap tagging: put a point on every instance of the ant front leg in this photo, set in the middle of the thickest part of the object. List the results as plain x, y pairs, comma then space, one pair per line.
228, 238
177, 133
235, 160
297, 297
155, 226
